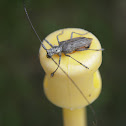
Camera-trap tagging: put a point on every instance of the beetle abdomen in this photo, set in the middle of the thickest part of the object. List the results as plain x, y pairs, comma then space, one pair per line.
75, 44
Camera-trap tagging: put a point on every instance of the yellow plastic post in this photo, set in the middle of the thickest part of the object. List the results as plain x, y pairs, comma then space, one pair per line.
75, 117
60, 90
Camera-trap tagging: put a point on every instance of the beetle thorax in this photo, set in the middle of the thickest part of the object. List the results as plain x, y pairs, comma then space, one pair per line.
54, 50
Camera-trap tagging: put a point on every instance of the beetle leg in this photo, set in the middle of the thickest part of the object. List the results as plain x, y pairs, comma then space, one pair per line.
58, 36
82, 49
77, 61
96, 49
48, 42
78, 34
52, 74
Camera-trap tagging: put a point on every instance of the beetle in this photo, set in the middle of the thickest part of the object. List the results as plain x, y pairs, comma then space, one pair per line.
69, 46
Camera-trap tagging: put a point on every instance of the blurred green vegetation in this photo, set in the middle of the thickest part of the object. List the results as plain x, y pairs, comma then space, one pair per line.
22, 101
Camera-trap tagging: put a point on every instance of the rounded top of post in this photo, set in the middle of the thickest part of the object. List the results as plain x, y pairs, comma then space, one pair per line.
60, 89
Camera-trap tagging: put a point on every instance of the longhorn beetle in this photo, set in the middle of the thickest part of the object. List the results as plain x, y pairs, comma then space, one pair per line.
66, 47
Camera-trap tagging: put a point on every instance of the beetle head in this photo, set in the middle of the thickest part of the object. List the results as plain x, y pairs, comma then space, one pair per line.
54, 50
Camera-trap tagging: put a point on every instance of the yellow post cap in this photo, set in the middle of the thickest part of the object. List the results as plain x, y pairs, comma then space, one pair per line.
59, 89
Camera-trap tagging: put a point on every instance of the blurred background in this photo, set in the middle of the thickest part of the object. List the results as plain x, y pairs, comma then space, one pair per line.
22, 100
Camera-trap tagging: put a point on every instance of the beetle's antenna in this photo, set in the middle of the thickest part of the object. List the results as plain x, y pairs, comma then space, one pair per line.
59, 65
93, 111
30, 21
